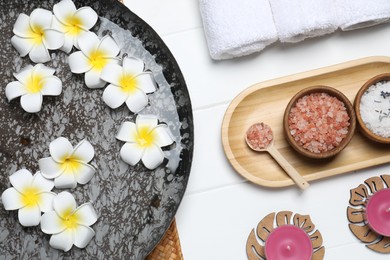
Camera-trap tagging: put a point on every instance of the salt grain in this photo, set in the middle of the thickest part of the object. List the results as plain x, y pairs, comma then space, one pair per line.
318, 122
259, 136
375, 108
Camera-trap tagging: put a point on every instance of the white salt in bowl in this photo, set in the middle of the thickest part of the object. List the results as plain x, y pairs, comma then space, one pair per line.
373, 109
332, 92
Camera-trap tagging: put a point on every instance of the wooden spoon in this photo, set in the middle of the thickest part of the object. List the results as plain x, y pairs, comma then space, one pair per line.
259, 138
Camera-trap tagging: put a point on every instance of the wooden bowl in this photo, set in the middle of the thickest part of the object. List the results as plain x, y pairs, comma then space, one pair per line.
362, 126
332, 92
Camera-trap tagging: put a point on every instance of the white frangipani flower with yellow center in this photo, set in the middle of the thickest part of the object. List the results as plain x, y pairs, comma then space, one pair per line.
67, 165
129, 83
30, 194
33, 83
144, 140
34, 35
93, 57
72, 22
69, 224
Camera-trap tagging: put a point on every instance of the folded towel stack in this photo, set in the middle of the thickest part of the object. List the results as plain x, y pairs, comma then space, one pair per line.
236, 28
355, 14
298, 20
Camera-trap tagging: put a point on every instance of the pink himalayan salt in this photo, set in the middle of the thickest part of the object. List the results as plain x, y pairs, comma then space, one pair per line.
259, 136
318, 122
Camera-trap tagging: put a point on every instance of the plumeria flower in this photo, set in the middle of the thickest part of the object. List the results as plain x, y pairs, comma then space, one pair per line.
129, 83
72, 22
34, 35
69, 224
144, 140
67, 165
93, 57
30, 194
32, 84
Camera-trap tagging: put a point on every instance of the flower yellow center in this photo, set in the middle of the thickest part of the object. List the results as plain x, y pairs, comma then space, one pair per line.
71, 164
37, 35
145, 137
73, 25
97, 60
35, 83
70, 219
128, 83
30, 197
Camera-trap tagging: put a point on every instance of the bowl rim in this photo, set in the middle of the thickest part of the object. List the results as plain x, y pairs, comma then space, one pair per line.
362, 126
332, 92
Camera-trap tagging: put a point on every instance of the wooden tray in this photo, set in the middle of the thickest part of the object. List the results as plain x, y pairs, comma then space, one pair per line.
266, 102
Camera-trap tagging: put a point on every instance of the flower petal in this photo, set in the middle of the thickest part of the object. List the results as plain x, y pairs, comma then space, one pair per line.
149, 121
137, 100
146, 82
42, 183
31, 102
131, 153
65, 181
46, 201
87, 16
163, 135
152, 157
88, 42
29, 216
21, 179
109, 47
133, 66
14, 89
64, 9
113, 96
68, 44
24, 74
86, 214
112, 73
49, 168
39, 54
92, 79
22, 26
83, 235
43, 70
84, 151
60, 149
53, 39
62, 241
78, 62
22, 45
84, 173
12, 199
127, 132
51, 223
40, 19
64, 203
52, 86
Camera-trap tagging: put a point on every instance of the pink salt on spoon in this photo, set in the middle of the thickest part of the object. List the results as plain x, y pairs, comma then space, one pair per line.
259, 137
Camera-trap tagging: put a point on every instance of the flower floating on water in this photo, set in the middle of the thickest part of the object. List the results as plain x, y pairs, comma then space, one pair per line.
30, 195
69, 224
144, 140
93, 57
72, 22
34, 35
129, 83
33, 83
67, 165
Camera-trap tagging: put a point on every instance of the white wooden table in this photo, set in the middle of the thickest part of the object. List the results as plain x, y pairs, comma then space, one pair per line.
220, 208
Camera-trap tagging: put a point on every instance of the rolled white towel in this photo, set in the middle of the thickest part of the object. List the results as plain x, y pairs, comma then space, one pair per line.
236, 28
355, 14
297, 20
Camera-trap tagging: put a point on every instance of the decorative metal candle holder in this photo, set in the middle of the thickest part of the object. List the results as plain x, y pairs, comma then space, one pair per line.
356, 213
255, 246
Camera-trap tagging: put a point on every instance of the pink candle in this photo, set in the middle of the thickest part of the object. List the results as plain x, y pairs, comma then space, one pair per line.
378, 212
288, 242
